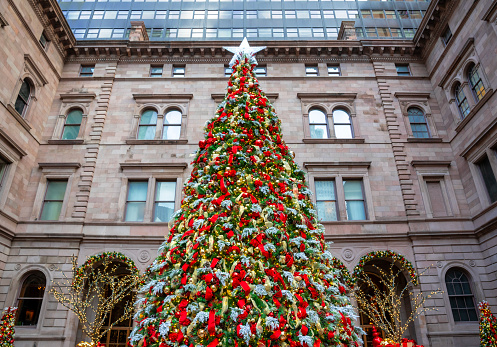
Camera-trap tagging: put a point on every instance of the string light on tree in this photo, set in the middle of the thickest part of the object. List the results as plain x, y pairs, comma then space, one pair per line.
382, 301
245, 262
488, 326
7, 332
94, 289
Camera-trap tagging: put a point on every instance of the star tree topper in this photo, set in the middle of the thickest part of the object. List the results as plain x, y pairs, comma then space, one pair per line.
243, 49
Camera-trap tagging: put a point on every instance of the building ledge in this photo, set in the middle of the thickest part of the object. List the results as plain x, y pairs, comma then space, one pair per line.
333, 141
365, 164
66, 142
156, 142
423, 140
153, 165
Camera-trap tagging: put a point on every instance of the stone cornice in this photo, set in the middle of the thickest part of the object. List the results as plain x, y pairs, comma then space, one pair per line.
155, 97
322, 96
417, 163
12, 144
491, 12
77, 97
202, 50
127, 166
412, 95
363, 164
44, 166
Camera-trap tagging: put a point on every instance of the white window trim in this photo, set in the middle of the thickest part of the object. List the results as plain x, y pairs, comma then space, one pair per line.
150, 172
340, 171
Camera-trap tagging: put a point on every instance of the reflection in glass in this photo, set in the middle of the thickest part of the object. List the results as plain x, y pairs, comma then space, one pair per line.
30, 299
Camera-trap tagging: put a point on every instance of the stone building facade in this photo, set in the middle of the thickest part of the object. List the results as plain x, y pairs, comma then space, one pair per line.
422, 144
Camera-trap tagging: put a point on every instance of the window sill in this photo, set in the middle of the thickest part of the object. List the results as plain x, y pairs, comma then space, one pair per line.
336, 141
424, 140
18, 117
474, 111
156, 142
66, 142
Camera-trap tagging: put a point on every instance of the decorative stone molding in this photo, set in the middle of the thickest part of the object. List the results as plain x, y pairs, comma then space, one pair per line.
3, 21
5, 138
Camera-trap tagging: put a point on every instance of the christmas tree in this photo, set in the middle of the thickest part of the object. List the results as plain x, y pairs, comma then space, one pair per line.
245, 262
7, 327
488, 326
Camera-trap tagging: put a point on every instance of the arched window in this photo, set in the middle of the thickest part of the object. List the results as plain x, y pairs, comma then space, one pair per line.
172, 125
476, 82
318, 124
418, 122
72, 125
30, 299
461, 297
342, 124
23, 98
148, 123
462, 102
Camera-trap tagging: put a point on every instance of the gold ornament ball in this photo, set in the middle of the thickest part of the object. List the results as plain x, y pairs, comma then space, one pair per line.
201, 333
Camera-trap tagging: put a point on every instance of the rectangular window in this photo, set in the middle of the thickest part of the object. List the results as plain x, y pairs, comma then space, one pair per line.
54, 197
110, 15
3, 171
43, 40
403, 69
328, 14
173, 14
227, 71
383, 32
178, 71
124, 14
488, 178
366, 14
437, 200
446, 36
260, 71
415, 14
354, 199
98, 14
326, 202
390, 14
160, 14
403, 14
186, 15
136, 200
334, 70
156, 71
251, 14
164, 201
396, 32
311, 70
86, 71
199, 14
409, 33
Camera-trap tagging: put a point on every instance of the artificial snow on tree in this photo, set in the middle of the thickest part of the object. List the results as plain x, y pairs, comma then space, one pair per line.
245, 262
7, 332
488, 326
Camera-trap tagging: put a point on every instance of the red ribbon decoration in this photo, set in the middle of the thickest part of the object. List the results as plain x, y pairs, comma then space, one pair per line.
213, 343
276, 335
211, 325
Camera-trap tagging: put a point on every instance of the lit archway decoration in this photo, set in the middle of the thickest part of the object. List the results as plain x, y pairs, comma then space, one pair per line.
110, 256
403, 262
337, 264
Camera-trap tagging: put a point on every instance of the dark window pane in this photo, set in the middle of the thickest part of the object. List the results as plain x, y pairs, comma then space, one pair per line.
30, 299
20, 105
489, 178
70, 132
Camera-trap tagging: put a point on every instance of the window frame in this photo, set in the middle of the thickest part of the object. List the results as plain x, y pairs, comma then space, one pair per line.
175, 70
164, 125
463, 113
339, 172
491, 198
308, 72
473, 69
327, 123
402, 73
338, 108
473, 294
27, 102
49, 180
446, 36
147, 125
65, 124
331, 66
337, 208
425, 123
20, 282
261, 67
128, 201
86, 74
155, 201
44, 41
355, 179
155, 74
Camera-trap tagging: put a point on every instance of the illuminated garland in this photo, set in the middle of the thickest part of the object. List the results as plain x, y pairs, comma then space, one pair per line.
337, 264
110, 256
7, 327
405, 264
488, 326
